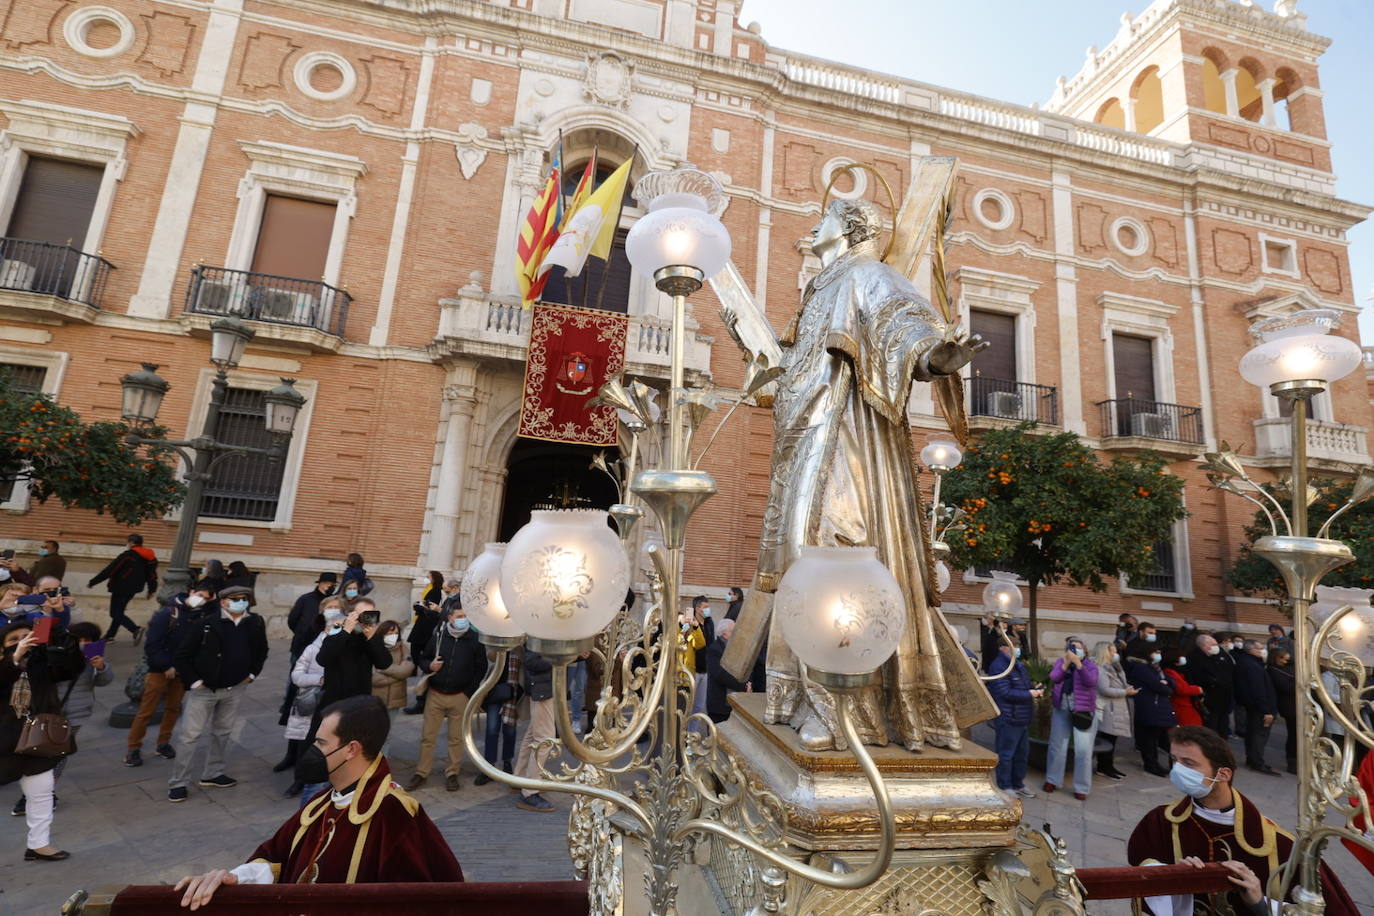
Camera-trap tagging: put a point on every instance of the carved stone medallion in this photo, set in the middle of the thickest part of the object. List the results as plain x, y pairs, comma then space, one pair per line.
610, 79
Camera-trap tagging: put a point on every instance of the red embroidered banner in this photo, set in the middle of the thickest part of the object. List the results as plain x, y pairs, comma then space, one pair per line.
572, 353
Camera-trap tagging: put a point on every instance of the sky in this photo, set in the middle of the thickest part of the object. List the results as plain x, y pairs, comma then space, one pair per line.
1013, 50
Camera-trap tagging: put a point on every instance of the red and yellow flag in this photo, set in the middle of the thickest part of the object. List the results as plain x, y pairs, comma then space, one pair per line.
537, 235
584, 188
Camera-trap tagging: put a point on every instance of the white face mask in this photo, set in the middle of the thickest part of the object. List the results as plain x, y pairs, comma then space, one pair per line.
1264, 654
194, 601
1155, 658
391, 639
1151, 637
238, 606
1214, 650
1115, 658
1182, 662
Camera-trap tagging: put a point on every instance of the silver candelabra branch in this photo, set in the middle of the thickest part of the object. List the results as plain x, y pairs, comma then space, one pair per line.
1295, 360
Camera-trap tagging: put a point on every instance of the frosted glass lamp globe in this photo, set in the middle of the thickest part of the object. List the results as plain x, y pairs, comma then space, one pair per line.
1354, 632
840, 609
565, 574
481, 594
1298, 347
941, 456
1002, 596
682, 227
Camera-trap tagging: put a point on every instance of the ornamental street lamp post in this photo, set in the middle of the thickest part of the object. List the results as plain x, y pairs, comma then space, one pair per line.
143, 393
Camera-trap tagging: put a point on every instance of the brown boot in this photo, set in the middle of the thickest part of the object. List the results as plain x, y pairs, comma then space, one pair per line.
415, 782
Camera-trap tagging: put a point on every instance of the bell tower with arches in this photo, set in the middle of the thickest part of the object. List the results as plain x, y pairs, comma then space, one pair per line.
1230, 74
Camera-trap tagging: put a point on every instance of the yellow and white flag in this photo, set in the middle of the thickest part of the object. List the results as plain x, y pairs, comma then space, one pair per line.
590, 229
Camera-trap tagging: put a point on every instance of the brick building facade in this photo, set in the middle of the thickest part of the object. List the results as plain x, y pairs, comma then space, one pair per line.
353, 174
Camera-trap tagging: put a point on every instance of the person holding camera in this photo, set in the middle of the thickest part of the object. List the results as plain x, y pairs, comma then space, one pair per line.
350, 655
439, 598
31, 666
455, 663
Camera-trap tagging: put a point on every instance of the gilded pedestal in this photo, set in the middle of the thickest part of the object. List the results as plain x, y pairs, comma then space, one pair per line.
952, 823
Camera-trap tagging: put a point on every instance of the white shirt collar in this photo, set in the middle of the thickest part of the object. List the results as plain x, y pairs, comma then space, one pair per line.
1226, 818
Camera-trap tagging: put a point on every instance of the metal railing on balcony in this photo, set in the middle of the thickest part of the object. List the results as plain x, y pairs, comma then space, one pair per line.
266, 297
1020, 401
53, 270
1140, 419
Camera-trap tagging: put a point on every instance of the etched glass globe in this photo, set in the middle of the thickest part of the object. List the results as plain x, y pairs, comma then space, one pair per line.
1002, 596
682, 227
1298, 347
481, 594
565, 574
941, 455
840, 609
1354, 633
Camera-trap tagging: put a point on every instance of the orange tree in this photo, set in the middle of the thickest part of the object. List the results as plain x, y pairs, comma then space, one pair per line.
1045, 508
1252, 574
82, 465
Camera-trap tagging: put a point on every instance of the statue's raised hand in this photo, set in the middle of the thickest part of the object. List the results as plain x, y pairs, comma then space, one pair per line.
954, 352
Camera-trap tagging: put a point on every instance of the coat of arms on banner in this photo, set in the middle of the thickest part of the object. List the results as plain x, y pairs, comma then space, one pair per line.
572, 353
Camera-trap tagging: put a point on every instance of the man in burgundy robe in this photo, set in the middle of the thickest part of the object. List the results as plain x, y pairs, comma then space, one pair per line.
363, 829
1215, 823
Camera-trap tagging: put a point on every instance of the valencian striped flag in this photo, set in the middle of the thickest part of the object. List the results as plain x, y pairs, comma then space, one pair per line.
537, 235
580, 193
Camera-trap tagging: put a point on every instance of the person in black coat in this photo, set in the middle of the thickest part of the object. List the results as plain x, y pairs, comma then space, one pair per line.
1286, 693
349, 657
127, 574
435, 606
1154, 708
719, 682
47, 665
1015, 696
1255, 691
217, 657
165, 631
1211, 668
456, 662
305, 622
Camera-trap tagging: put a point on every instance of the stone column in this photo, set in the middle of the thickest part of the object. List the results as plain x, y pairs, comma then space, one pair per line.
1228, 82
460, 401
1128, 111
1266, 90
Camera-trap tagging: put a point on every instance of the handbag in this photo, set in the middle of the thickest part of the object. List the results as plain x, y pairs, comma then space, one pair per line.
48, 734
501, 693
1081, 720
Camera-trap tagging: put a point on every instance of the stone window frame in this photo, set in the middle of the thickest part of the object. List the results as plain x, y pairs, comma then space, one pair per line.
1003, 200
1291, 244
44, 129
1008, 294
1140, 317
54, 363
1142, 234
294, 461
74, 31
1183, 572
295, 172
307, 65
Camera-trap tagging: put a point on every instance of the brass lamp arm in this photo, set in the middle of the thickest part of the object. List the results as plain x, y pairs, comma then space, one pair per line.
997, 677
1326, 527
1287, 522
1273, 525
1328, 705
823, 877
475, 702
576, 745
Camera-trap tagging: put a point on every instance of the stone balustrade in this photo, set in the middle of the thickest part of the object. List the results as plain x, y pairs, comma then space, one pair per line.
1333, 444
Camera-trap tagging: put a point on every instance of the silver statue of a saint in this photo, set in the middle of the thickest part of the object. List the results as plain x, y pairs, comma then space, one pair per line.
844, 473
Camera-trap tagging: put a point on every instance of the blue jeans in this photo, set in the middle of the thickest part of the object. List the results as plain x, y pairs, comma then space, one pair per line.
1013, 750
577, 694
310, 790
498, 732
1061, 731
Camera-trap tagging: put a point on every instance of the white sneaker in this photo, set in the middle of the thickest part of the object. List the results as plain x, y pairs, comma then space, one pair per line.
1024, 792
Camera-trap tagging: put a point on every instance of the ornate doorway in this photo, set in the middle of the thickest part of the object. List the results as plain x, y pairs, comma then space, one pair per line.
552, 475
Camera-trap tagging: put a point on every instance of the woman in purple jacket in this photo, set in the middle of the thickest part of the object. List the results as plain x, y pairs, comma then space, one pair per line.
1075, 691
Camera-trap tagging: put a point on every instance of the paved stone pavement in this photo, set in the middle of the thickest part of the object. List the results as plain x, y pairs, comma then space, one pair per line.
120, 828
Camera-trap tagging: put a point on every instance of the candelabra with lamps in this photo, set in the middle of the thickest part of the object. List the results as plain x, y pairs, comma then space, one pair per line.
143, 392
562, 579
1295, 360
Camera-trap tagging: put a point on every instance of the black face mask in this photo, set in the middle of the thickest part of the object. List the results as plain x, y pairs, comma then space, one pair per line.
329, 591
313, 765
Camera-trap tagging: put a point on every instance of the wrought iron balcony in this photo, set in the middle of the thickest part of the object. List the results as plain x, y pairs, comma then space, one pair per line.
1134, 418
1017, 401
59, 271
288, 301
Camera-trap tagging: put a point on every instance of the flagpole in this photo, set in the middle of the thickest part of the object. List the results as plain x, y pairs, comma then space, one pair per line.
606, 265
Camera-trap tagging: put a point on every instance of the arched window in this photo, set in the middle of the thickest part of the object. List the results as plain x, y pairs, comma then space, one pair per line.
1285, 84
1111, 114
1148, 98
1213, 89
1248, 101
